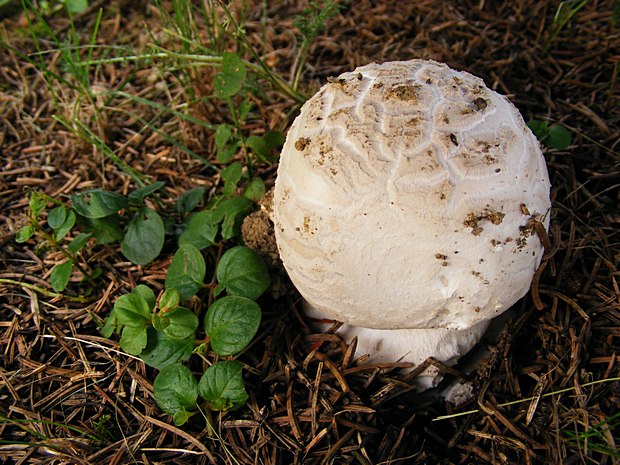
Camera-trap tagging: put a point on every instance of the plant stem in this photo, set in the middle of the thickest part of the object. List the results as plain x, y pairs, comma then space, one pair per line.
42, 290
526, 399
54, 243
298, 65
263, 70
210, 423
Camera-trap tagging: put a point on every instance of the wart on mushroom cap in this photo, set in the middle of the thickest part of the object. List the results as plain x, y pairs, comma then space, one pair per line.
393, 165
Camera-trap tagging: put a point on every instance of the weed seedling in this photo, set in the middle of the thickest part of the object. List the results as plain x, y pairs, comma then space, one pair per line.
96, 214
312, 23
554, 137
598, 438
200, 230
60, 220
564, 13
163, 334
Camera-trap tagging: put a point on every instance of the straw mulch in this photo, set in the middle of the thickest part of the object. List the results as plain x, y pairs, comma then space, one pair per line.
67, 395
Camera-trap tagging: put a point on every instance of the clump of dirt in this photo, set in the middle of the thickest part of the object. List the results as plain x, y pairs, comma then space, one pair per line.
257, 231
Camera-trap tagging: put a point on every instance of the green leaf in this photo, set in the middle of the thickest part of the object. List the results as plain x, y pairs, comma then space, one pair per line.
137, 197
222, 386
223, 134
566, 10
264, 146
145, 293
227, 153
202, 227
183, 323
181, 417
231, 323
76, 6
109, 324
243, 272
230, 79
105, 230
274, 139
24, 234
225, 150
244, 109
190, 199
144, 238
159, 323
132, 310
98, 203
132, 313
59, 277
78, 242
255, 190
36, 203
175, 390
258, 146
539, 128
162, 351
201, 230
56, 217
133, 339
232, 211
66, 226
169, 299
231, 175
187, 271
558, 138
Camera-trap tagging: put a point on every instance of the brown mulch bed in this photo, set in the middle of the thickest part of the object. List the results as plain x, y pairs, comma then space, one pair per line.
67, 395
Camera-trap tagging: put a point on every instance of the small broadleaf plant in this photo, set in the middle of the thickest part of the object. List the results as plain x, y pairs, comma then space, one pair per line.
554, 137
230, 83
97, 215
163, 334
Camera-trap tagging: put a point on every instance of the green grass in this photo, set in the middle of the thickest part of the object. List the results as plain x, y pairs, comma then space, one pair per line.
194, 37
598, 438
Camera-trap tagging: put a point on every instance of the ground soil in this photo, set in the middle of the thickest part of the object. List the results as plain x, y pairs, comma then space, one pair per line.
548, 392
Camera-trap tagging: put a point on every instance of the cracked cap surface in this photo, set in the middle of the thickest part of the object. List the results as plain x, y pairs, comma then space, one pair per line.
405, 196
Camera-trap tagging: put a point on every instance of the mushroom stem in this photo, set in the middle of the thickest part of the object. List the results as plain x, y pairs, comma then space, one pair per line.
413, 346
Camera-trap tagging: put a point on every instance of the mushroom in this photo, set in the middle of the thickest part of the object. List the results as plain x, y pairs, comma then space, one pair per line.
405, 205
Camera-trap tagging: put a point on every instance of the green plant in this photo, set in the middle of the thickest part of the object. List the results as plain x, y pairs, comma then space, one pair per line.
140, 229
101, 428
61, 221
72, 73
312, 23
598, 438
48, 8
200, 231
564, 13
555, 137
163, 334
97, 214
228, 83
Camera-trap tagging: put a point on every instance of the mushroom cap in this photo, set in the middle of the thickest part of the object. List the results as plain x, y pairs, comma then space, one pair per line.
405, 198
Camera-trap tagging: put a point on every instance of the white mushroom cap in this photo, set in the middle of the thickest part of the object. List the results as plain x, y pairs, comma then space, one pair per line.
404, 199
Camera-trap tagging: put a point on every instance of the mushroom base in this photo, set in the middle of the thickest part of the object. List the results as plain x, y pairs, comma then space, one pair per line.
413, 346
